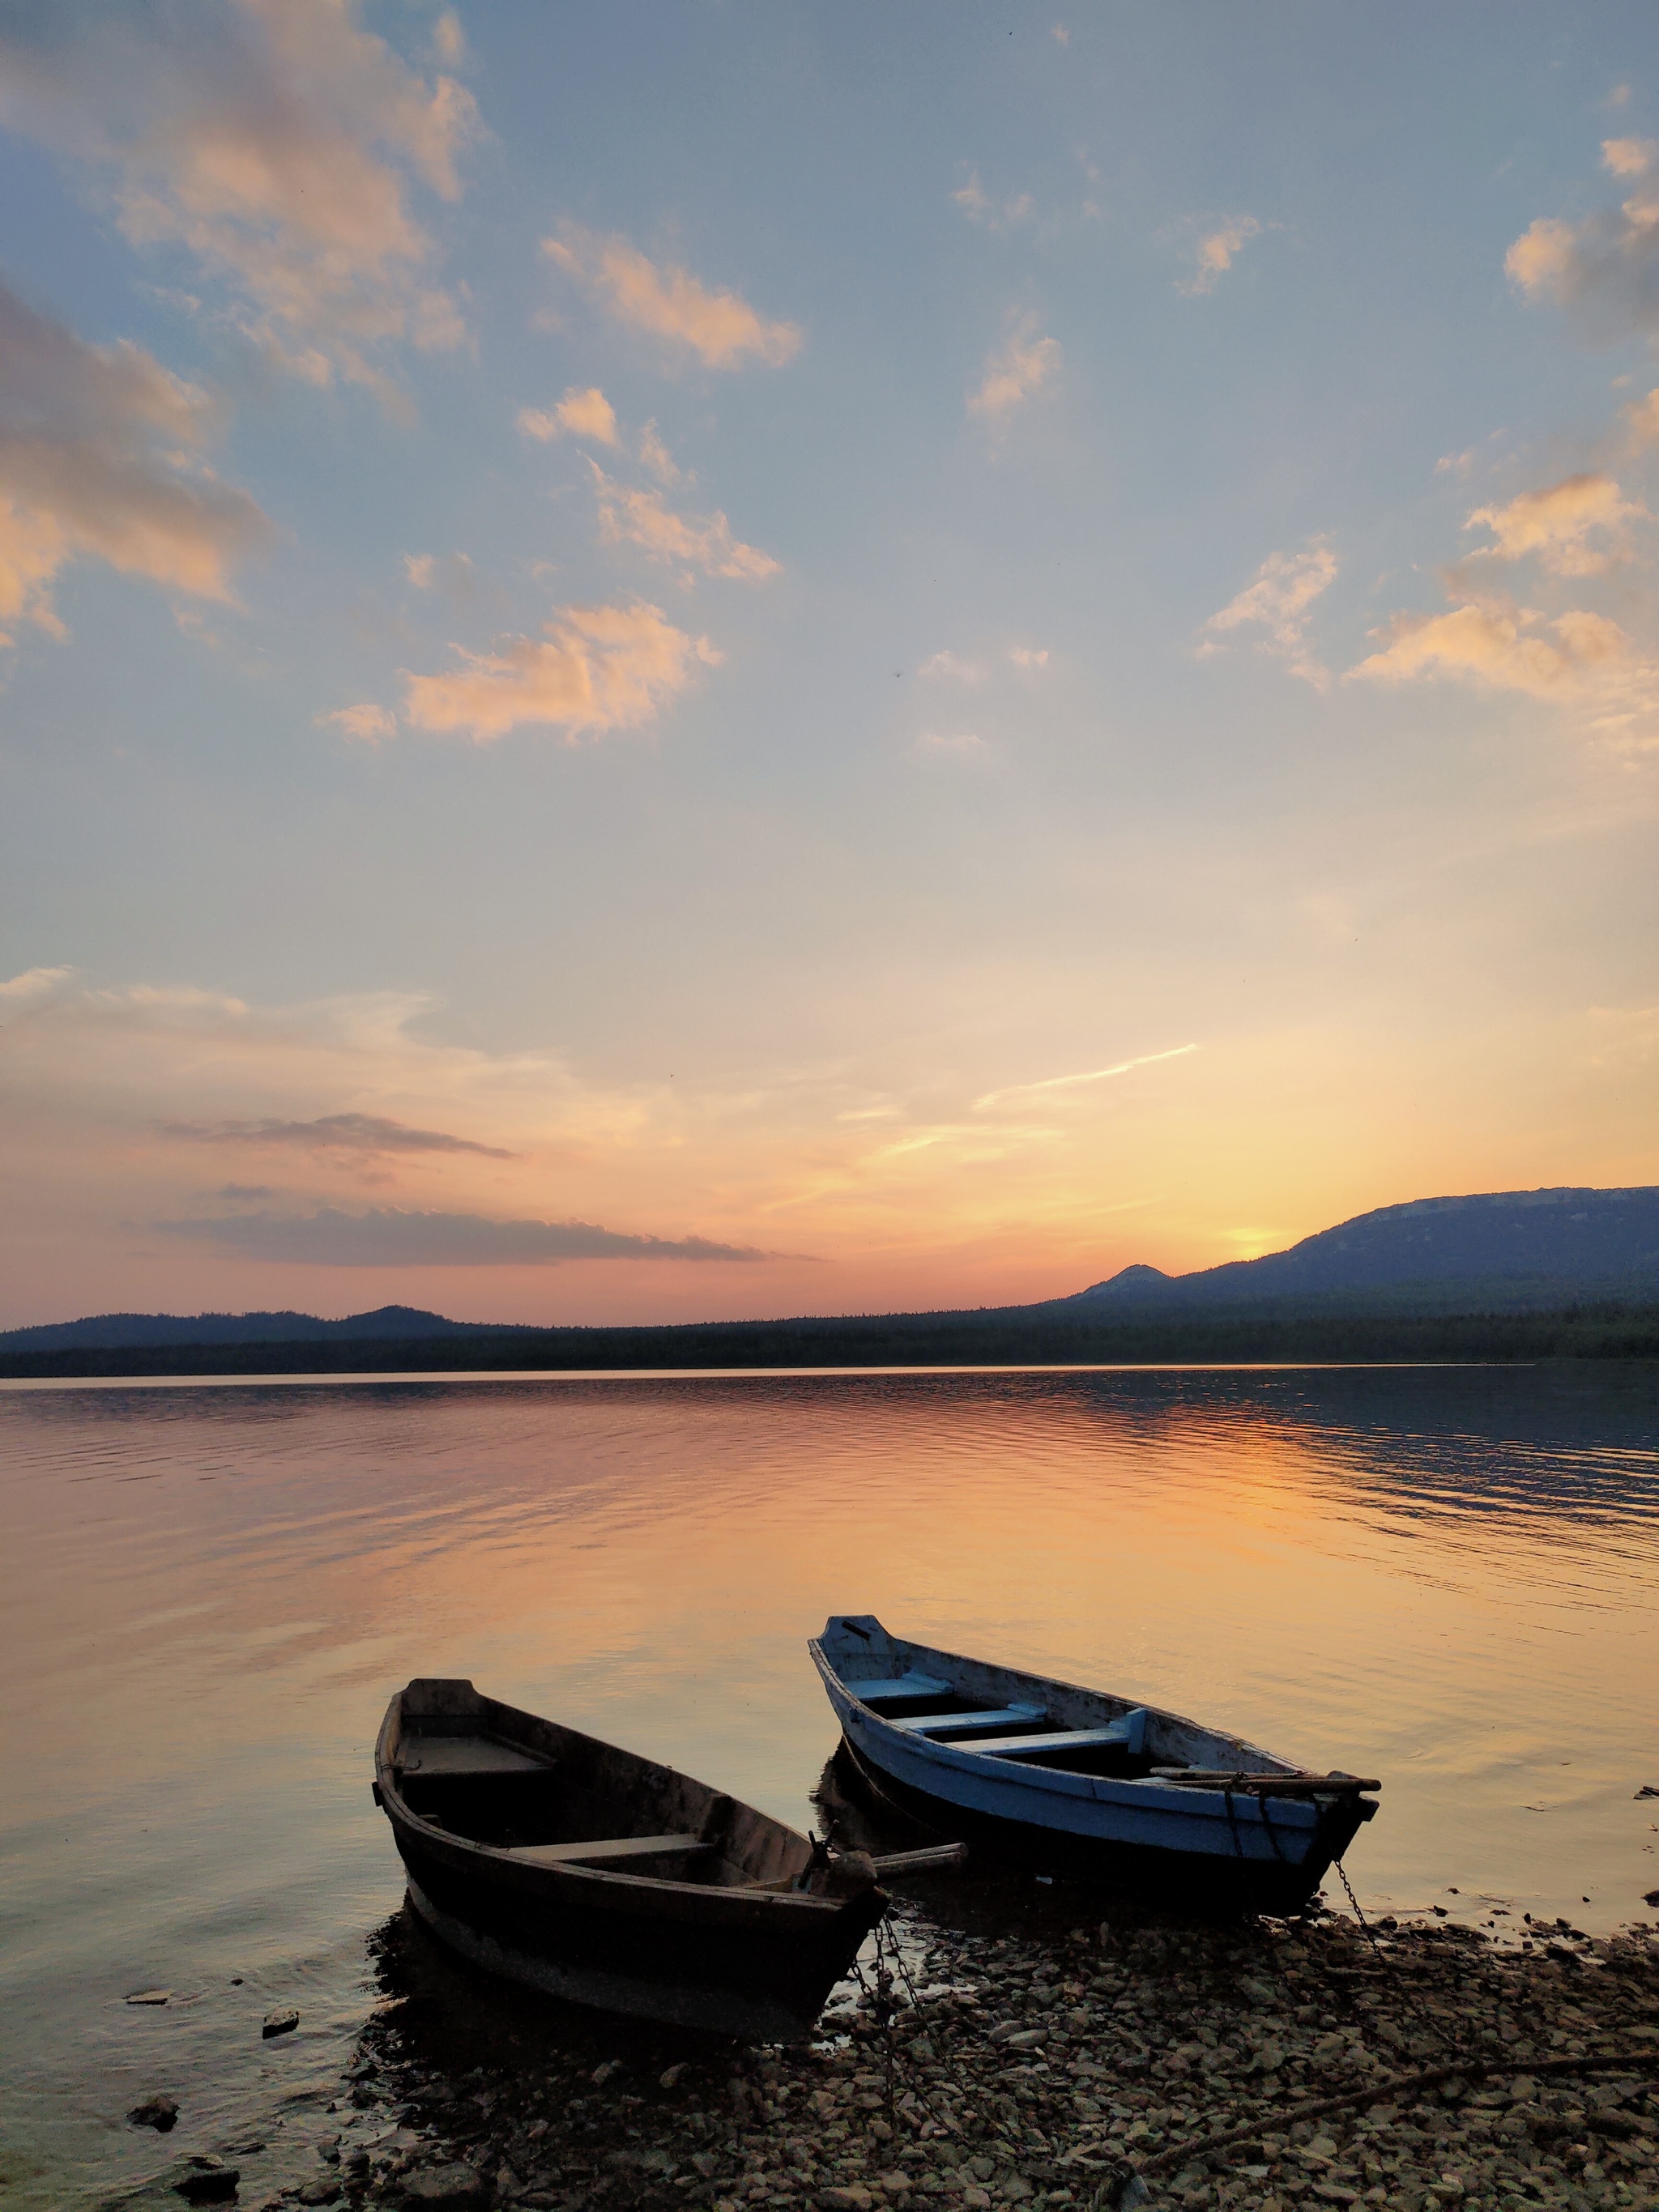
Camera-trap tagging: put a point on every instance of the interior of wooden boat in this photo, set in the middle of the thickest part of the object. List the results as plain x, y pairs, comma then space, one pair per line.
553, 1798
1020, 1730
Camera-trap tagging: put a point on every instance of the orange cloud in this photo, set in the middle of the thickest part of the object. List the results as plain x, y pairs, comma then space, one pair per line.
1556, 523
1577, 657
1215, 251
721, 328
95, 461
581, 414
1606, 267
1279, 602
705, 541
370, 725
1628, 157
1018, 369
274, 141
594, 668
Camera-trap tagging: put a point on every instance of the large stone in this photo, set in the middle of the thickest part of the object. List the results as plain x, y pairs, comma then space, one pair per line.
158, 2113
454, 2188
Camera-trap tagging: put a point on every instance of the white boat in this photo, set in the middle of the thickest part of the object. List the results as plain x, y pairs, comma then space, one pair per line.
1081, 1781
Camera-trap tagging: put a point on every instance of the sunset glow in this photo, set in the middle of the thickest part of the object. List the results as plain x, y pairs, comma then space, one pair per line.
664, 663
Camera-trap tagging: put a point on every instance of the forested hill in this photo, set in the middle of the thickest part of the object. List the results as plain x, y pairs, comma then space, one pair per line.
1504, 1250
1512, 1274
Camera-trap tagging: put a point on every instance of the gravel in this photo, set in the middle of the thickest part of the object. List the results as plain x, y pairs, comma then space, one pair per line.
1272, 2066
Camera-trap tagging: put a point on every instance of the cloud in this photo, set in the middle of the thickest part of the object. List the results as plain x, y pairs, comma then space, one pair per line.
1018, 370
371, 1133
947, 665
33, 987
453, 574
1001, 215
1215, 254
1605, 268
1279, 602
698, 541
370, 725
658, 458
1029, 656
1578, 658
1643, 421
1629, 157
100, 459
1072, 1082
389, 1237
720, 328
1556, 523
274, 142
580, 414
964, 746
593, 668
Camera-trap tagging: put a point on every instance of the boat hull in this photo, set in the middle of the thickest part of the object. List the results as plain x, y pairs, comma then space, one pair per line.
698, 1911
703, 1967
1229, 1850
1162, 1873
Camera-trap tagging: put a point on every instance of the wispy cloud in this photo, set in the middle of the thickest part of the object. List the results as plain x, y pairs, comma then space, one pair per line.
100, 457
1016, 371
367, 723
656, 456
997, 215
1279, 603
390, 1236
593, 668
453, 574
720, 328
704, 542
1579, 659
1557, 524
371, 1133
1215, 251
951, 666
273, 141
580, 414
1072, 1082
942, 745
1029, 656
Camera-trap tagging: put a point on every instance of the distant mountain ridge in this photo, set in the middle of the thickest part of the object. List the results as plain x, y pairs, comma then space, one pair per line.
1497, 1247
142, 1331
1496, 1252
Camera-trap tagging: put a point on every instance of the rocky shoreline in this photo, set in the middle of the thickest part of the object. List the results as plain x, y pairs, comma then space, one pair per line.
1005, 2051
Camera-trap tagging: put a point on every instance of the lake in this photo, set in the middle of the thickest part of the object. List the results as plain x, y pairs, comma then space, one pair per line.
1449, 1577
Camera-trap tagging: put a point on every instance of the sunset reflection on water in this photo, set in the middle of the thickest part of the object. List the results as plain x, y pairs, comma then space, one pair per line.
1449, 1578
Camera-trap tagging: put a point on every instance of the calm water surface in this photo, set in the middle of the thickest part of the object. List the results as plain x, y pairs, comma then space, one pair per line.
1447, 1578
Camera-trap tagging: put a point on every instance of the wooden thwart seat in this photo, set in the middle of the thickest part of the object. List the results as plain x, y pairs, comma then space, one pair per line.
1038, 1746
610, 1848
948, 1724
466, 1758
901, 1685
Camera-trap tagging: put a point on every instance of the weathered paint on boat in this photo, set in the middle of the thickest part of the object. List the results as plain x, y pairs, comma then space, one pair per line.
1063, 1777
726, 1919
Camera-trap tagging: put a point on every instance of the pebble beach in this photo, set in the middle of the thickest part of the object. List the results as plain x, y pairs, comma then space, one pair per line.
1057, 2063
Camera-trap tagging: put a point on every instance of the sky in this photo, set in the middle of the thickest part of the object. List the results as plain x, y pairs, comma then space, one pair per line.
687, 661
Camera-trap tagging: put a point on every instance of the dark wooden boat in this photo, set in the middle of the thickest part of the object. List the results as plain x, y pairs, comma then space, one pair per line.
580, 1869
1080, 1780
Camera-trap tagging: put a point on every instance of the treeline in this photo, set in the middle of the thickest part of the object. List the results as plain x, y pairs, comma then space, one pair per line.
947, 1339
